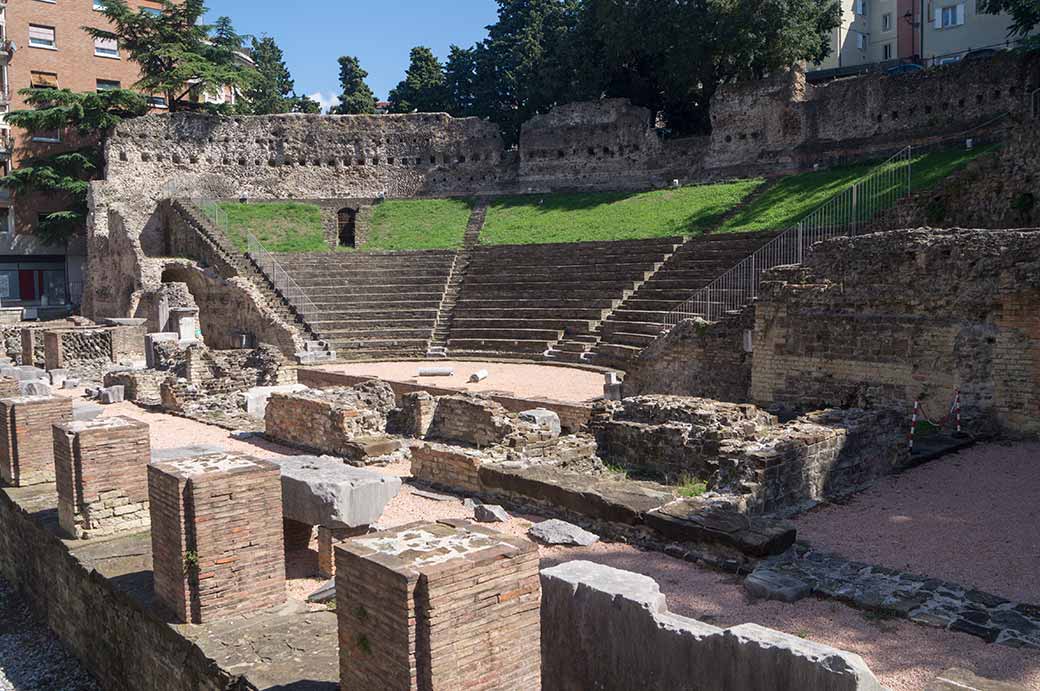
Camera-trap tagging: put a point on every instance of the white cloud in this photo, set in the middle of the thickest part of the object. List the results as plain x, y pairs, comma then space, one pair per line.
326, 100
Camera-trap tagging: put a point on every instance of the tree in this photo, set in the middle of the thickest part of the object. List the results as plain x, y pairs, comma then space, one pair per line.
174, 50
303, 104
66, 174
423, 88
460, 74
356, 97
1025, 14
272, 91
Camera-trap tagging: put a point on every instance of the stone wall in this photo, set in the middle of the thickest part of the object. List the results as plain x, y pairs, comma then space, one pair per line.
697, 358
883, 320
603, 628
328, 421
479, 421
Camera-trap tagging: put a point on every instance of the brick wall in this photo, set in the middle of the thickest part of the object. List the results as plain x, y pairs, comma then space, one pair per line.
696, 358
26, 440
326, 421
883, 320
101, 471
217, 544
449, 467
438, 605
476, 420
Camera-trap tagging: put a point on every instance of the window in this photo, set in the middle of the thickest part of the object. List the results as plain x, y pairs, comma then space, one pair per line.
97, 5
108, 84
42, 37
106, 48
949, 17
157, 101
154, 11
861, 41
887, 52
861, 7
43, 80
886, 21
5, 220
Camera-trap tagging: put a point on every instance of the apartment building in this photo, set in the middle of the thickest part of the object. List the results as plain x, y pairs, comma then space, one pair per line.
924, 31
44, 45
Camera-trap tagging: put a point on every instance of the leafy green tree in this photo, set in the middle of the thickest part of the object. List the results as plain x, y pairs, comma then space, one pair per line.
303, 104
66, 175
1025, 14
174, 51
272, 91
423, 88
460, 74
356, 98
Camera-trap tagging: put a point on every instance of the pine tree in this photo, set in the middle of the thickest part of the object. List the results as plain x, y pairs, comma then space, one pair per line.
272, 92
423, 88
356, 97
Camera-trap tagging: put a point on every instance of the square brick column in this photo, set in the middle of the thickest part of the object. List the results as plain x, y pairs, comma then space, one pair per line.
217, 545
26, 439
101, 469
447, 605
327, 539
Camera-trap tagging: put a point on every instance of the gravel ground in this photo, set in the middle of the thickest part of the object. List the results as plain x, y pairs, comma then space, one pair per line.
31, 657
971, 518
903, 655
528, 381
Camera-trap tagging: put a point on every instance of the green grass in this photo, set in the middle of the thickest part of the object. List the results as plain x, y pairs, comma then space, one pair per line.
279, 226
537, 219
690, 487
418, 224
790, 199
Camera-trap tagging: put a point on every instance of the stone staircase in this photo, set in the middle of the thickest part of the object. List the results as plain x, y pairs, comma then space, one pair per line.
522, 300
641, 317
374, 304
223, 250
438, 347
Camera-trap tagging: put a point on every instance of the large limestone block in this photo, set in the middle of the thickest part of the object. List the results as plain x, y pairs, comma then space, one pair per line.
258, 396
324, 491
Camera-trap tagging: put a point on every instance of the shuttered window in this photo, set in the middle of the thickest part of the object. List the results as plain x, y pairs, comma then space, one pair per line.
106, 47
43, 80
42, 36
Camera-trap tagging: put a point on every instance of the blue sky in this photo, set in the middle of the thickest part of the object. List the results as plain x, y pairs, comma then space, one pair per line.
379, 32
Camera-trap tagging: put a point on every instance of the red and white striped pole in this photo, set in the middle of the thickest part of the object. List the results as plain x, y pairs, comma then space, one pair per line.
913, 426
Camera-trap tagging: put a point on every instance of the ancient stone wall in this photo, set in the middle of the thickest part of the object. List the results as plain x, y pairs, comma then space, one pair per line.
477, 421
199, 372
697, 358
604, 628
883, 320
328, 421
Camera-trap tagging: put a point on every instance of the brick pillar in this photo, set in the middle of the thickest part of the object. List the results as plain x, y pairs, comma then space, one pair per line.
101, 470
297, 535
447, 605
327, 539
217, 546
26, 439
9, 388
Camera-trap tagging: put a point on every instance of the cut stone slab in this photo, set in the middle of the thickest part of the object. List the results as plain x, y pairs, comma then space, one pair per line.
322, 490
34, 388
545, 419
150, 341
766, 584
962, 680
471, 503
490, 513
361, 449
57, 377
557, 532
258, 396
113, 394
83, 411
70, 383
27, 373
177, 453
436, 372
434, 496
696, 520
326, 593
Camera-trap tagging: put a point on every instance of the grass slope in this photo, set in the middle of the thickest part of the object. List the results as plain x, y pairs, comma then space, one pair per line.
279, 226
536, 219
418, 224
790, 199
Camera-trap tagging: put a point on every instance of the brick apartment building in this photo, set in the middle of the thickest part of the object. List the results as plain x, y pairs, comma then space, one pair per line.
44, 45
928, 31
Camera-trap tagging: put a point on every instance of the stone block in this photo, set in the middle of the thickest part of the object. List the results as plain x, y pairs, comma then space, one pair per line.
543, 419
217, 542
57, 377
35, 388
26, 439
101, 472
151, 340
557, 532
85, 410
697, 520
469, 595
258, 396
478, 376
325, 491
436, 372
70, 383
363, 450
490, 513
766, 584
112, 394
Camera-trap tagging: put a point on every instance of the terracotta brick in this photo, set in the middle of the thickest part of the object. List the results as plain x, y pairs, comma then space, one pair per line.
26, 440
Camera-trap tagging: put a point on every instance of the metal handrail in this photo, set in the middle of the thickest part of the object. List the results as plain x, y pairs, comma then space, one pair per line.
265, 262
840, 216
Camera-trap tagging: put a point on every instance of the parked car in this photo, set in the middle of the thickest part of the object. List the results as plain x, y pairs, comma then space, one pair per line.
905, 68
980, 54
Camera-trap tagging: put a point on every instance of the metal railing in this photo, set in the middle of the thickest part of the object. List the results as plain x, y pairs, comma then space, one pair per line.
841, 216
265, 262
